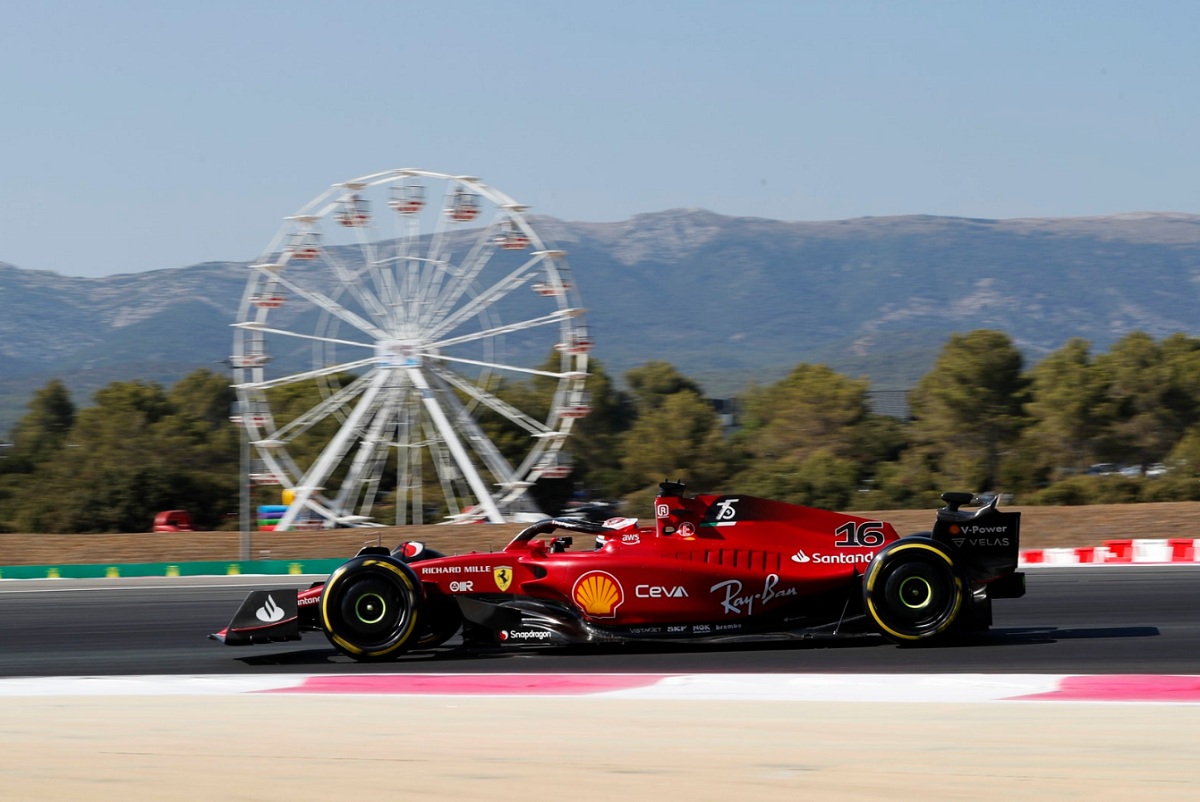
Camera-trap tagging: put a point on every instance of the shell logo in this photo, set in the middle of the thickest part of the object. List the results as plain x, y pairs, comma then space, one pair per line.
598, 594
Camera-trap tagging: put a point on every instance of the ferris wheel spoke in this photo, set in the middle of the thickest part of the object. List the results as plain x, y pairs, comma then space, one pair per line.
322, 301
570, 374
512, 281
339, 400
443, 467
336, 449
508, 411
408, 464
450, 438
367, 465
328, 370
473, 264
545, 320
500, 468
349, 279
285, 333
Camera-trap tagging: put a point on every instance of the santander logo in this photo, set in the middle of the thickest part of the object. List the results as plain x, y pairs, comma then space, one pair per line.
269, 612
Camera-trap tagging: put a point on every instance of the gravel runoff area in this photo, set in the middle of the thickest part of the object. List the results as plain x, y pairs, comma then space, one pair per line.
1041, 527
271, 747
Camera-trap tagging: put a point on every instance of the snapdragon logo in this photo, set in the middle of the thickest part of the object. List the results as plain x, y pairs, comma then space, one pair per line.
524, 634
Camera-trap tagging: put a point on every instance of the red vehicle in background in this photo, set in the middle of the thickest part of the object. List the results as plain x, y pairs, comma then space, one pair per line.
712, 568
173, 521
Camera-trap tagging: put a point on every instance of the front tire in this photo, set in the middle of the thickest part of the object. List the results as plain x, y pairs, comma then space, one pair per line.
914, 592
370, 608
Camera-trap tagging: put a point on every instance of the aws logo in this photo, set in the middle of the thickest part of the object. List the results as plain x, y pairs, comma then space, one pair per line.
598, 594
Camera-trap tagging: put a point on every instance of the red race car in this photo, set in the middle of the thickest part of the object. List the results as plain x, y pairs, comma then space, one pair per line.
713, 568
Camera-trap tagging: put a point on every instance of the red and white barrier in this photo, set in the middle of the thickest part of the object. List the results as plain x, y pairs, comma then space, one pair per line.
1145, 551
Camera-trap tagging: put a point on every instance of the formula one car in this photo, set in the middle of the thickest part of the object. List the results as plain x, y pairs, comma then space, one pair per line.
712, 568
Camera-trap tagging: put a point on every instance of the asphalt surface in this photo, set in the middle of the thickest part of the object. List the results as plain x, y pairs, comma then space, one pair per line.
1137, 619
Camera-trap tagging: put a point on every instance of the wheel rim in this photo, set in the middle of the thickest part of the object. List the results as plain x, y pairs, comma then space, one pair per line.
915, 592
370, 608
418, 305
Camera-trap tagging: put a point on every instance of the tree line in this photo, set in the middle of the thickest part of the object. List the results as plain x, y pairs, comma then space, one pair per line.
981, 420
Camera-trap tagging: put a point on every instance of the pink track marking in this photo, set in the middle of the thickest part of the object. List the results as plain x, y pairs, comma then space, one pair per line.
473, 684
1122, 688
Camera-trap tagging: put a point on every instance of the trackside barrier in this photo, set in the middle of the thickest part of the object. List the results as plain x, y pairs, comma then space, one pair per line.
213, 568
1147, 551
1119, 551
1183, 550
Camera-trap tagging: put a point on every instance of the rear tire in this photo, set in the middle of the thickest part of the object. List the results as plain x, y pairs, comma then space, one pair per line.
370, 608
913, 592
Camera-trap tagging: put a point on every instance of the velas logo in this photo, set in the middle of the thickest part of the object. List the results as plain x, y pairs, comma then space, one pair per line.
598, 594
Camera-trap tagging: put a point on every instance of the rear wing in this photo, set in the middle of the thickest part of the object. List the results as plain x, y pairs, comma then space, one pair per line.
986, 539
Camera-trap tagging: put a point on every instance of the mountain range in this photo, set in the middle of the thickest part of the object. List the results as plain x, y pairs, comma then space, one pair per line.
727, 300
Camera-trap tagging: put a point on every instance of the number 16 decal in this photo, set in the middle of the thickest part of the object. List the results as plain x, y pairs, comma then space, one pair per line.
853, 535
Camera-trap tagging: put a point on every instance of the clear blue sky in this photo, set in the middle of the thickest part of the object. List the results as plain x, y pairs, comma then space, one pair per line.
145, 135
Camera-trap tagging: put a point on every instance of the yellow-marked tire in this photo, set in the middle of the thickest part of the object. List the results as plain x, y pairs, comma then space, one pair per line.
913, 592
370, 608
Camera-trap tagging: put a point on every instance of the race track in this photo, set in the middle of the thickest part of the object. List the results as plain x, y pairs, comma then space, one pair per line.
1080, 620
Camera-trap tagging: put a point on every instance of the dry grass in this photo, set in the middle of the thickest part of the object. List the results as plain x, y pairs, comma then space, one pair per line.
1041, 527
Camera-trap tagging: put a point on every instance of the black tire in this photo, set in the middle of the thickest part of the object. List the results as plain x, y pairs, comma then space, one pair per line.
370, 608
913, 592
442, 619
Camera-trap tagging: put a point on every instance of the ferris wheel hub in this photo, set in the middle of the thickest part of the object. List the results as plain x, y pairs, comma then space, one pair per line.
399, 353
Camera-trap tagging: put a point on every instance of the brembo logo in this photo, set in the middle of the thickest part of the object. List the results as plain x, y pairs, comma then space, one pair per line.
269, 612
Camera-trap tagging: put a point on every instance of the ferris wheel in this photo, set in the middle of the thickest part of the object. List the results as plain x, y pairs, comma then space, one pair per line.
387, 349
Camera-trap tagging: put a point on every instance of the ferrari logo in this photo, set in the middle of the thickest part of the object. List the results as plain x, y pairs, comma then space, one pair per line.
503, 577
